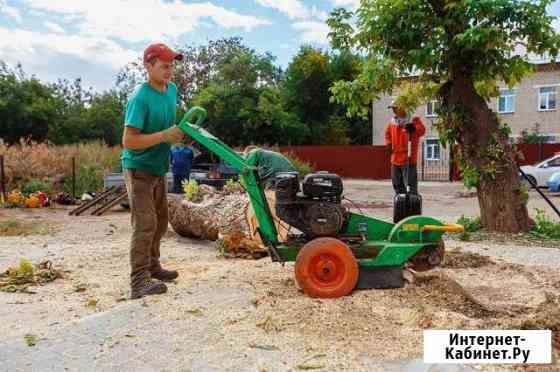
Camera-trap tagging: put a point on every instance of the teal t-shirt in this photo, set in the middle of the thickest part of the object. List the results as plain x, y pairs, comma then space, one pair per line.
269, 163
150, 111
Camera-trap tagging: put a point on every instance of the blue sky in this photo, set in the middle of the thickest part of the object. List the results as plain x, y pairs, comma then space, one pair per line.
93, 39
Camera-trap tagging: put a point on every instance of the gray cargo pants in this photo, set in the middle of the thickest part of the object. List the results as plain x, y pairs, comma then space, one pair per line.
398, 173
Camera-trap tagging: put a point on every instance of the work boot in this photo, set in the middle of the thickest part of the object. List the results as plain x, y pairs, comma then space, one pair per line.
164, 275
148, 288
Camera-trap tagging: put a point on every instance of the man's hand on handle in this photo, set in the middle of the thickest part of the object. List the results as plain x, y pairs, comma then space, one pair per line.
173, 135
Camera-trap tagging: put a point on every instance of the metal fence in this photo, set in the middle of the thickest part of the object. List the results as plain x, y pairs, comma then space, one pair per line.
434, 161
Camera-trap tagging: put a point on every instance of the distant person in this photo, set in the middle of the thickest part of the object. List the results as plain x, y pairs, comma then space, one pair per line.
396, 139
268, 164
149, 132
181, 159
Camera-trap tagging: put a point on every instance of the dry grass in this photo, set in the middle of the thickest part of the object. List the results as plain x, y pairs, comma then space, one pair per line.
16, 227
28, 160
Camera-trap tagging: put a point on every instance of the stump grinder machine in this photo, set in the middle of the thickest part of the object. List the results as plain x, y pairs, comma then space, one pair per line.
335, 250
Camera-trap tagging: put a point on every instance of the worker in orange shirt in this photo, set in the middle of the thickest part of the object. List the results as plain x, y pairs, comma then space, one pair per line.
396, 139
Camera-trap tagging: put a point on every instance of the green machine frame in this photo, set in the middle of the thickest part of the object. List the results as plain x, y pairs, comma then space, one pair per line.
374, 242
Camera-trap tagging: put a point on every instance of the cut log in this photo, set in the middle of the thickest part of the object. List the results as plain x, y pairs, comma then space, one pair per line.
216, 213
224, 217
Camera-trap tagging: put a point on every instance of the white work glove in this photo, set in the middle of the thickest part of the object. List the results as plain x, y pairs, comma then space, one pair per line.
173, 135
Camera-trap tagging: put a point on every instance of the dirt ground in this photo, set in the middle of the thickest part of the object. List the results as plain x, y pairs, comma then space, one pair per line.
244, 315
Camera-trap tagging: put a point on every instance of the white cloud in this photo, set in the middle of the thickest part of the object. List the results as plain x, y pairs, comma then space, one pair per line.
54, 27
10, 11
346, 3
313, 32
294, 8
143, 20
94, 59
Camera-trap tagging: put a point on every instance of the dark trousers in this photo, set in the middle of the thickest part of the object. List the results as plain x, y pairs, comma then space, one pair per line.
398, 175
178, 182
149, 218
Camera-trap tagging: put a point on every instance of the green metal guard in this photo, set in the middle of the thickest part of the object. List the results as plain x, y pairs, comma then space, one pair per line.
245, 167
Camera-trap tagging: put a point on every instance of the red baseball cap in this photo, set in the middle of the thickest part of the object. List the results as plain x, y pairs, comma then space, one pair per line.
162, 52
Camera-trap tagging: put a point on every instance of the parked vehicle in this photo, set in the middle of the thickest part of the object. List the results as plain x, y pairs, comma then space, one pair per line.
208, 169
541, 172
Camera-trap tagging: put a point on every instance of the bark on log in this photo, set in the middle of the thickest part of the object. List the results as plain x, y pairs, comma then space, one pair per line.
216, 214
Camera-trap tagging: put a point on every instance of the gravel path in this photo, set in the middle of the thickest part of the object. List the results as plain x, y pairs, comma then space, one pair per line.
236, 315
518, 254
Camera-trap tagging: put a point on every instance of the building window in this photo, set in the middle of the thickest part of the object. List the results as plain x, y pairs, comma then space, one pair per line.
547, 98
432, 149
431, 109
506, 101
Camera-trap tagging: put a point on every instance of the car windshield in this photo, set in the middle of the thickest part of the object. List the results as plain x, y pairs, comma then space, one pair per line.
552, 161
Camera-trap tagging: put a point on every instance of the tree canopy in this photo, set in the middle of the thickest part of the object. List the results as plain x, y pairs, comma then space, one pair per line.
457, 51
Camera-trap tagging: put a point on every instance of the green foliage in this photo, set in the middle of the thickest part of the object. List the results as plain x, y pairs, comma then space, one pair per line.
544, 227
34, 186
532, 136
524, 193
413, 94
61, 113
469, 174
89, 178
25, 269
85, 116
30, 340
306, 92
26, 106
232, 187
471, 224
301, 166
376, 77
460, 46
190, 189
306, 85
219, 61
249, 99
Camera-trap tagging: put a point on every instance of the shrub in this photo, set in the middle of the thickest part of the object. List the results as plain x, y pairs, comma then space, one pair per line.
471, 224
89, 178
301, 166
545, 228
34, 186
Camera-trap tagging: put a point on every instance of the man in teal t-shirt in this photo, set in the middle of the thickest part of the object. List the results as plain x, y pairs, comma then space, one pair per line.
149, 132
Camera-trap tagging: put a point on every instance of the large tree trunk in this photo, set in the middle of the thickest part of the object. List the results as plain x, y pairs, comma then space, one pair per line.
218, 216
486, 148
206, 219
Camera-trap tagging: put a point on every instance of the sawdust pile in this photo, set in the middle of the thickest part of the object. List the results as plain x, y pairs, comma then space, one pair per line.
388, 324
456, 259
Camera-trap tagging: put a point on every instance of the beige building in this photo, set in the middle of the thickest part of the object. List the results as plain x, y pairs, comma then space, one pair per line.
533, 102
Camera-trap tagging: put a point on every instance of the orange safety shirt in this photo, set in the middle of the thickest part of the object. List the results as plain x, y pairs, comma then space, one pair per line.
397, 136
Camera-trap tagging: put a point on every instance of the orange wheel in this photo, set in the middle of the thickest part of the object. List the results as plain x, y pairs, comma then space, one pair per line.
326, 268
